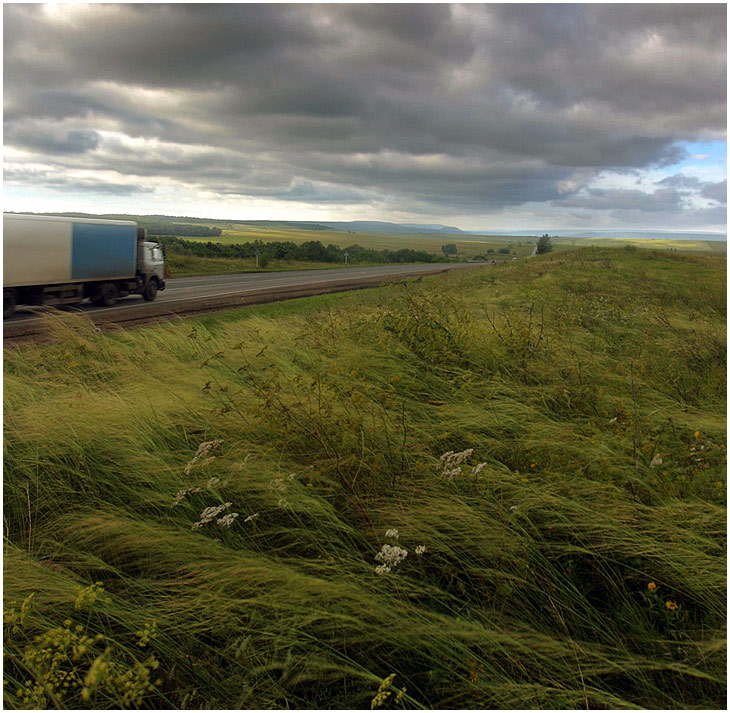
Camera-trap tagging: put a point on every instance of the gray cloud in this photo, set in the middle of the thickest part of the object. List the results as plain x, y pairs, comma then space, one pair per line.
662, 200
473, 107
680, 181
74, 142
58, 182
715, 191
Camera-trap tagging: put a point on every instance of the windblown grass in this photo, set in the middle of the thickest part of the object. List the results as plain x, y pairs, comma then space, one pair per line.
590, 386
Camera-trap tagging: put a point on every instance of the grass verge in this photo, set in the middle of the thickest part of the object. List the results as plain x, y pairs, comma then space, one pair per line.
255, 511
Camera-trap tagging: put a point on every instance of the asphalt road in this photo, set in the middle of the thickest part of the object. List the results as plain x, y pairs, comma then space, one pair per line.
195, 295
185, 288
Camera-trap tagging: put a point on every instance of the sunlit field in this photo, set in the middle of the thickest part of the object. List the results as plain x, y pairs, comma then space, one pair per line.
502, 488
702, 247
468, 246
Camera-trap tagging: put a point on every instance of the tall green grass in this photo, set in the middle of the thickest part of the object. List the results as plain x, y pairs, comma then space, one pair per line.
590, 387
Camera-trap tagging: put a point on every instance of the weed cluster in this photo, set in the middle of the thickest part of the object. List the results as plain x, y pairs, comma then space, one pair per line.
66, 666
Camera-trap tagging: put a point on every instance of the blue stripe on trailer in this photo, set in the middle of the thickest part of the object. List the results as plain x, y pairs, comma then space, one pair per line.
99, 251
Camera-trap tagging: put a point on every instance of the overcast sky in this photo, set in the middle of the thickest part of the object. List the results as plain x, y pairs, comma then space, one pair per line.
481, 116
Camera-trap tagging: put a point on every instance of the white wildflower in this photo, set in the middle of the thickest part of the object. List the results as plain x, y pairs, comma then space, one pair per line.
182, 493
450, 463
392, 533
420, 549
251, 518
390, 556
656, 461
210, 514
278, 484
227, 520
203, 450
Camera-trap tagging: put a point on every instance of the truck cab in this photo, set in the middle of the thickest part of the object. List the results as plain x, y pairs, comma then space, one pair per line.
150, 265
152, 260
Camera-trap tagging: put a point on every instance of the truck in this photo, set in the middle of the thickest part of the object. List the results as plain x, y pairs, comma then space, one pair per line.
55, 260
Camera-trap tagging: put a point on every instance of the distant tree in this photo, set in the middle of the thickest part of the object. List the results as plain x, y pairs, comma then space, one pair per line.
200, 231
314, 251
490, 251
503, 251
544, 245
449, 249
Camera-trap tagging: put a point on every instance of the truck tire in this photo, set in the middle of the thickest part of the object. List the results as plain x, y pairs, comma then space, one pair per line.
150, 292
108, 297
10, 299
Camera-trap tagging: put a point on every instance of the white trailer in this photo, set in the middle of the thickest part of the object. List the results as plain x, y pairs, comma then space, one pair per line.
54, 260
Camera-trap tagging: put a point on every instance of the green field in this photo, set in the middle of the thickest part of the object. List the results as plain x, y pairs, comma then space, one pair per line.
468, 246
200, 514
182, 265
700, 247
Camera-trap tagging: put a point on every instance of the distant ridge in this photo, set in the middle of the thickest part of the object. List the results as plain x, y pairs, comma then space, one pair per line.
644, 234
379, 226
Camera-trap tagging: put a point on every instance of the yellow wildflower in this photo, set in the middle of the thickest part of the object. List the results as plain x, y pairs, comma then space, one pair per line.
671, 605
697, 434
383, 692
651, 587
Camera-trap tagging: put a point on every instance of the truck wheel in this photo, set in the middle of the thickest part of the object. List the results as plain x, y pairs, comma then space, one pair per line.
108, 296
150, 292
10, 299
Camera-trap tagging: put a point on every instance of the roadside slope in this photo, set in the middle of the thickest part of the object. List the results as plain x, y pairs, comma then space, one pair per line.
234, 483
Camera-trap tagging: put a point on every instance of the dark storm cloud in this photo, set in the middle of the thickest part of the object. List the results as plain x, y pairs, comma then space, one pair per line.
475, 107
637, 58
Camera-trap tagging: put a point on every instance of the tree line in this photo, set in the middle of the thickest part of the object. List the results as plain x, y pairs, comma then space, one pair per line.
311, 251
198, 231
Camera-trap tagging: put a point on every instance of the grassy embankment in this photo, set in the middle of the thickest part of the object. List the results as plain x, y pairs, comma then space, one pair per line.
582, 565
